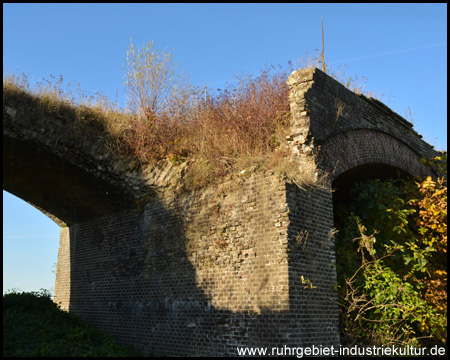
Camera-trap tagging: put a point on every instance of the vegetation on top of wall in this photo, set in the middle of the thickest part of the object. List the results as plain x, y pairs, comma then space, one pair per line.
216, 133
167, 118
33, 325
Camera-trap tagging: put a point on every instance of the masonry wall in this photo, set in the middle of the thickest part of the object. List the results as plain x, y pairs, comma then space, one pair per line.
206, 272
344, 129
312, 271
62, 283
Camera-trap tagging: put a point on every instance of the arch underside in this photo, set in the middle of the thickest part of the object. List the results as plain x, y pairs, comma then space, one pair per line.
345, 151
61, 190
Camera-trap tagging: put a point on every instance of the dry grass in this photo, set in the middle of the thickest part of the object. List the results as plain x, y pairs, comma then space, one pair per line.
234, 131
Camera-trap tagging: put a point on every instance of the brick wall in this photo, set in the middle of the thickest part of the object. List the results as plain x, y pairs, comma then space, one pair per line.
312, 272
206, 272
346, 130
62, 283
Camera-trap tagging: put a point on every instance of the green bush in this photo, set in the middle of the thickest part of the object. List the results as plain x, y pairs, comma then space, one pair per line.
391, 263
33, 325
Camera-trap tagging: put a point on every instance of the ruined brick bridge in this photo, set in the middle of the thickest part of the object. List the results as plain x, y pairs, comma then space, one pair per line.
205, 272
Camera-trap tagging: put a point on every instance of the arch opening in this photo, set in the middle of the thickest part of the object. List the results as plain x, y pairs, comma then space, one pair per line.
346, 263
64, 192
30, 247
345, 182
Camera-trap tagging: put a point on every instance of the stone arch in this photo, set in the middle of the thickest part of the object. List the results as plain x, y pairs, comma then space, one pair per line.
67, 172
61, 190
347, 150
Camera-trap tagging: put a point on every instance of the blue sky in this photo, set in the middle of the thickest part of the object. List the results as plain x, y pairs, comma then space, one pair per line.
400, 48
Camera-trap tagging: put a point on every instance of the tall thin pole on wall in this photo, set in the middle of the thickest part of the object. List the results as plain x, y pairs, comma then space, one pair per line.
324, 67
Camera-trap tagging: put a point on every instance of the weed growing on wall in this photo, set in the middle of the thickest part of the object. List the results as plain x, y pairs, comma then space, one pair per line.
150, 80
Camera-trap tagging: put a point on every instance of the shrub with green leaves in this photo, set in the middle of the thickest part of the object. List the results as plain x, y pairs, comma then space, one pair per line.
391, 263
33, 325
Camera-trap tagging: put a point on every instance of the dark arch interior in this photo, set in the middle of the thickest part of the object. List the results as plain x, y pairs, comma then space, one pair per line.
64, 192
346, 181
